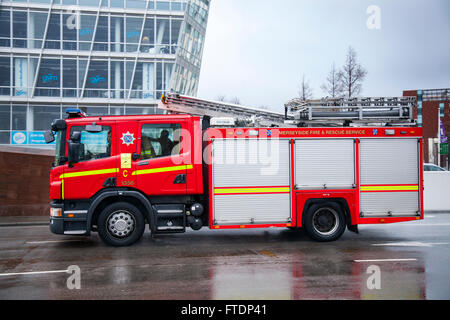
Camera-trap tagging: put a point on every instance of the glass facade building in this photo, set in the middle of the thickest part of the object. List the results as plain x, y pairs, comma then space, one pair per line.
103, 56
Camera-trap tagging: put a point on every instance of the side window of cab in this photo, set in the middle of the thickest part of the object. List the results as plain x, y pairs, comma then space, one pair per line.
160, 140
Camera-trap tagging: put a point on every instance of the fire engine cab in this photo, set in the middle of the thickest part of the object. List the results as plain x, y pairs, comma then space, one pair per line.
222, 166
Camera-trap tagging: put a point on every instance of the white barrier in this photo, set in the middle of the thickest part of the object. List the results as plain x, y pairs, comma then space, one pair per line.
436, 193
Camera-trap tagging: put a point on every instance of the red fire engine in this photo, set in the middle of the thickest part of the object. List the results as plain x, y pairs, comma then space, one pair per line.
250, 169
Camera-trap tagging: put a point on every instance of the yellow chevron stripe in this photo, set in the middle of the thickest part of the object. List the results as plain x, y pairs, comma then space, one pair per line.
88, 173
389, 188
165, 169
252, 190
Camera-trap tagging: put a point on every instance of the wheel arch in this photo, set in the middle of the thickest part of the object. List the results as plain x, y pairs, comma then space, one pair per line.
105, 198
341, 202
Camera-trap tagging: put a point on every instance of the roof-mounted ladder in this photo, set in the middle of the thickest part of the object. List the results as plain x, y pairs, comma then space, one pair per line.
241, 115
341, 111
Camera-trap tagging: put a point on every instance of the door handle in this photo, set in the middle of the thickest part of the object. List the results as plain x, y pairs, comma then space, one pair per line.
180, 179
135, 156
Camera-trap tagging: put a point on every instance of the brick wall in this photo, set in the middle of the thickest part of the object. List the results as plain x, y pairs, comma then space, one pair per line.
24, 176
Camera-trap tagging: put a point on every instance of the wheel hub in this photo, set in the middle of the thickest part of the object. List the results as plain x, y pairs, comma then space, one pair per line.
120, 224
325, 221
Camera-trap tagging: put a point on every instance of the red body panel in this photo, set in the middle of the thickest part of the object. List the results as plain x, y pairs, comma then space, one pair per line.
300, 197
348, 195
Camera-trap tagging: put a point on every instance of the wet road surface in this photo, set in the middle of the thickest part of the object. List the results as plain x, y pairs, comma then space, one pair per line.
413, 260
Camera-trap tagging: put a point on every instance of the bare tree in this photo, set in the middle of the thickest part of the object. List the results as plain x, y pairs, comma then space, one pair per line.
333, 86
235, 100
305, 92
221, 97
352, 74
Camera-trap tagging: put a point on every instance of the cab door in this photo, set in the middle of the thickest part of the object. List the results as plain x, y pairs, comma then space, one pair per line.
162, 167
96, 163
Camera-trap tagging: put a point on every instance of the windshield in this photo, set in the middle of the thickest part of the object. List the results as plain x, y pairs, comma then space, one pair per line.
58, 148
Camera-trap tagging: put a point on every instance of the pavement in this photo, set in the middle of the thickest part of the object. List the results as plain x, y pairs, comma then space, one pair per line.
391, 261
24, 221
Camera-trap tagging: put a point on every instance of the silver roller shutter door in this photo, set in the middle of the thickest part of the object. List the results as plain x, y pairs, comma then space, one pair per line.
387, 162
250, 163
324, 163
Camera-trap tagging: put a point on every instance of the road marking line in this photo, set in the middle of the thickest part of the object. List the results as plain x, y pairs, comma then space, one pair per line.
409, 244
52, 241
32, 272
385, 260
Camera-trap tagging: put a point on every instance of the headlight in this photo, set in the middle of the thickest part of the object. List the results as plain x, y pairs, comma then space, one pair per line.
55, 212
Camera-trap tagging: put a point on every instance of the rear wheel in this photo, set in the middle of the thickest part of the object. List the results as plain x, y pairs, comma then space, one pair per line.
121, 224
325, 221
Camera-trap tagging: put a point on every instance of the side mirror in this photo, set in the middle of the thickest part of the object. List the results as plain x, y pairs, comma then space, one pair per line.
74, 147
75, 136
49, 136
74, 152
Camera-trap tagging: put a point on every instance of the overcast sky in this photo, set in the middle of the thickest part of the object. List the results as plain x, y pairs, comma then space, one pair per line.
258, 50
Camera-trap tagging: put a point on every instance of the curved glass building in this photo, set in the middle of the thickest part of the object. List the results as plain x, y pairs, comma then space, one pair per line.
103, 56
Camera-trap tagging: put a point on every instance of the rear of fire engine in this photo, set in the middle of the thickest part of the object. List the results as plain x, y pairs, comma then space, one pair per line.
116, 174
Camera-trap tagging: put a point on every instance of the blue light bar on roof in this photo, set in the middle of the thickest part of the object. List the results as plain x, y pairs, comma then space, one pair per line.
75, 113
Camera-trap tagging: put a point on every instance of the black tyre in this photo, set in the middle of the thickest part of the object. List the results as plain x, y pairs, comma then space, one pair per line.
121, 224
325, 221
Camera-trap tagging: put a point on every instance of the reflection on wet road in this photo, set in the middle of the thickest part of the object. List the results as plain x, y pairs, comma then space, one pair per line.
413, 260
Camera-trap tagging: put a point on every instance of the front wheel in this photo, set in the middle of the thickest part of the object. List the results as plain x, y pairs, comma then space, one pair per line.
325, 221
121, 224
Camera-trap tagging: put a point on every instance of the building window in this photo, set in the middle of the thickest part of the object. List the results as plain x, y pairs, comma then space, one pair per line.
116, 34
19, 117
96, 111
133, 33
70, 31
136, 4
5, 117
69, 78
116, 3
24, 73
53, 32
148, 36
5, 35
176, 6
101, 35
117, 80
139, 111
175, 34
86, 31
48, 81
19, 29
4, 137
162, 36
5, 79
82, 65
97, 80
38, 21
43, 116
162, 5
